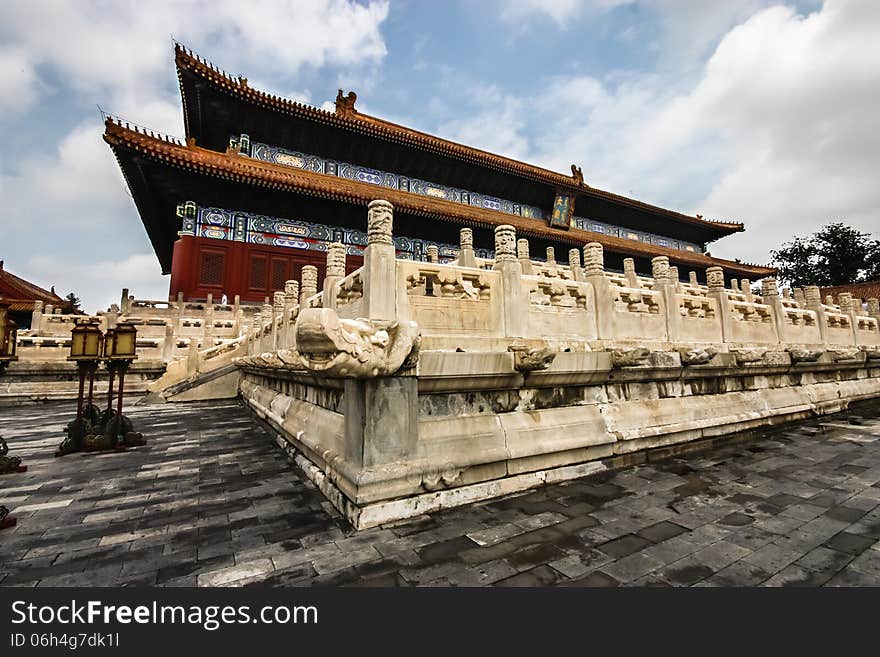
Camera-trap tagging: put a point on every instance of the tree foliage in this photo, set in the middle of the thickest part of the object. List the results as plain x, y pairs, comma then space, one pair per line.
836, 254
73, 300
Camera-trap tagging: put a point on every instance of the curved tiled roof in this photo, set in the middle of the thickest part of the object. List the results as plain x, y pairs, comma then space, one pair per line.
265, 174
348, 118
21, 294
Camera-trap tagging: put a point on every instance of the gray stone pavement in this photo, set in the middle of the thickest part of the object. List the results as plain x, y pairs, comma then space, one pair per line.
211, 501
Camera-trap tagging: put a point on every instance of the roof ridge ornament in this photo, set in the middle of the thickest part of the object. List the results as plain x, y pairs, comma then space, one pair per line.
345, 104
578, 175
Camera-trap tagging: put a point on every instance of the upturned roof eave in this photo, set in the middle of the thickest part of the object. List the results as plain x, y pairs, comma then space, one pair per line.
386, 130
266, 174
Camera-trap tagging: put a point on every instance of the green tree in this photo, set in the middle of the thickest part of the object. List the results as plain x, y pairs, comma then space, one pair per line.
836, 254
73, 300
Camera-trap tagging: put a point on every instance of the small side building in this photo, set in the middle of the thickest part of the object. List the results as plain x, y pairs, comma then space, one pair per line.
22, 296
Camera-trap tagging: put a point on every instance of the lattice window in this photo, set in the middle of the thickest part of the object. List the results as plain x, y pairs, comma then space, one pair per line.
211, 268
258, 273
279, 273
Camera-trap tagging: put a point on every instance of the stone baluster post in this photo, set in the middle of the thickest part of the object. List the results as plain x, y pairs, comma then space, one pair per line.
277, 320
124, 302
551, 256
268, 328
745, 286
813, 301
770, 296
800, 297
522, 254
674, 279
291, 307
112, 316
180, 307
574, 263
335, 273
848, 308
667, 296
208, 323
192, 357
734, 285
433, 253
37, 318
380, 266
786, 293
515, 300
594, 274
874, 308
629, 271
380, 414
660, 270
715, 283
168, 343
309, 287
692, 278
466, 256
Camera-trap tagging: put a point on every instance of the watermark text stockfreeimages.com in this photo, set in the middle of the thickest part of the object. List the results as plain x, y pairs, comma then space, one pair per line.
210, 617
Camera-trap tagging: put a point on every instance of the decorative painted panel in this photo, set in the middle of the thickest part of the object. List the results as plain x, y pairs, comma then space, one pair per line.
222, 224
563, 207
309, 162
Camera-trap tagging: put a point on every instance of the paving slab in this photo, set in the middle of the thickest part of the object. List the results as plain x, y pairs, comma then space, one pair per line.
217, 504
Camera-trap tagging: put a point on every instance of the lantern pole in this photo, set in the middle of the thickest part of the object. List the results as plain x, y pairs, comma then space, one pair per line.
8, 464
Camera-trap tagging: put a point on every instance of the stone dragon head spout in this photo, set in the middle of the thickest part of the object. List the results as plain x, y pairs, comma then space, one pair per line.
354, 348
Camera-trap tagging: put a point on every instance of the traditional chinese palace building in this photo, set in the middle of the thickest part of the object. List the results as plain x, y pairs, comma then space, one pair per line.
21, 295
263, 184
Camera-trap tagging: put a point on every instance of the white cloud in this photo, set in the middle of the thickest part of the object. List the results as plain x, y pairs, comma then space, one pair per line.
119, 53
559, 11
99, 284
69, 199
18, 82
779, 129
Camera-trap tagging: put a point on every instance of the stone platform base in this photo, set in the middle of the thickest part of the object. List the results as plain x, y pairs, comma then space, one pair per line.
465, 452
37, 382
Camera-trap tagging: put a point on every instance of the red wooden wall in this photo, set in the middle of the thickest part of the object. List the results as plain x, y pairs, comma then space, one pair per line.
202, 266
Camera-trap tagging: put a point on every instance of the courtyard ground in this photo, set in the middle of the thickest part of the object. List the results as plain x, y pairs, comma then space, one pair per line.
210, 501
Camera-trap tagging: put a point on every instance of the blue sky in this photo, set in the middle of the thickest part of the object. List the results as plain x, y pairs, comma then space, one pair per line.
761, 112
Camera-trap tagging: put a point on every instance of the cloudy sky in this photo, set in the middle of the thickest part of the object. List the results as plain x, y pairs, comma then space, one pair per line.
761, 112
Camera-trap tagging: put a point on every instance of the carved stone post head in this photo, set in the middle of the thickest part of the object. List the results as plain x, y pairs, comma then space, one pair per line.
769, 288
505, 243
745, 286
692, 278
336, 259
380, 222
551, 255
786, 293
829, 299
522, 249
629, 266
433, 253
594, 258
812, 295
278, 299
734, 285
845, 299
267, 311
715, 278
291, 291
309, 280
660, 268
574, 258
466, 238
673, 274
799, 295
873, 306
